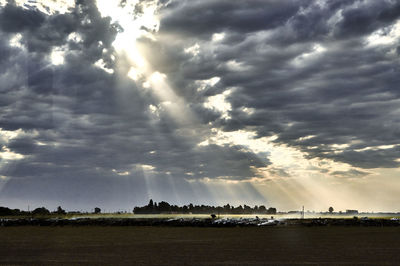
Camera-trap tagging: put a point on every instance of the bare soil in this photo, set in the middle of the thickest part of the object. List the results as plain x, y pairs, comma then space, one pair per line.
96, 245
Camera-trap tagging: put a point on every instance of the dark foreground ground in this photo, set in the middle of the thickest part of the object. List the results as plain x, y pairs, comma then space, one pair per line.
88, 245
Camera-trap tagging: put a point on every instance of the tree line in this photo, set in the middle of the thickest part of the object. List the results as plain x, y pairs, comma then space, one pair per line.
4, 211
155, 208
165, 207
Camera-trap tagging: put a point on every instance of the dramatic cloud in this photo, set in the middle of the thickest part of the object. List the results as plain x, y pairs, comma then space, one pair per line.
202, 101
305, 68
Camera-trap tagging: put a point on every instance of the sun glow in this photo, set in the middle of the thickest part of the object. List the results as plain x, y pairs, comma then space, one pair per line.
135, 25
143, 24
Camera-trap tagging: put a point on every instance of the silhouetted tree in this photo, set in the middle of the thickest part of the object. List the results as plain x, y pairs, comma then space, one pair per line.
6, 211
271, 211
60, 210
97, 210
164, 206
227, 208
40, 211
262, 209
247, 209
330, 209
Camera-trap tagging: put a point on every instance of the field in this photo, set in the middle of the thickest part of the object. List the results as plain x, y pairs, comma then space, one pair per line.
97, 245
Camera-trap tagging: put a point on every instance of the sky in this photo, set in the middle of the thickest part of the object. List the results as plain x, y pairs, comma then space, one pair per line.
263, 102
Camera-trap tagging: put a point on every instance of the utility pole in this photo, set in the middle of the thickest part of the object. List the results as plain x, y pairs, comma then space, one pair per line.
302, 213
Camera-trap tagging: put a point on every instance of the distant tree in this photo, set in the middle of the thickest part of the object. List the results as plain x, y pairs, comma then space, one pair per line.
60, 210
271, 210
247, 209
164, 206
97, 210
238, 210
151, 204
5, 211
227, 208
40, 211
262, 209
330, 209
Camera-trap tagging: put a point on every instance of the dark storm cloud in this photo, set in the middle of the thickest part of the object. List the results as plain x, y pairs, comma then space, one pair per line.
207, 17
371, 158
371, 16
16, 19
307, 70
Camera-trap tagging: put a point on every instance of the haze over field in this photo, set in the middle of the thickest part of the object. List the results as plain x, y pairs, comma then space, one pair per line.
277, 103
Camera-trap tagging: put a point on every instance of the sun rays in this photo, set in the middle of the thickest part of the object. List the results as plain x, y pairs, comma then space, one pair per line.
294, 189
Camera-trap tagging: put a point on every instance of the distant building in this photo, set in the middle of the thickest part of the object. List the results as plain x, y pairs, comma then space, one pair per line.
351, 212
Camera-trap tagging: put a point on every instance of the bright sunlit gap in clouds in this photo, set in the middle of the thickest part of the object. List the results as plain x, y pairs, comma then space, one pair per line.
134, 26
142, 25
